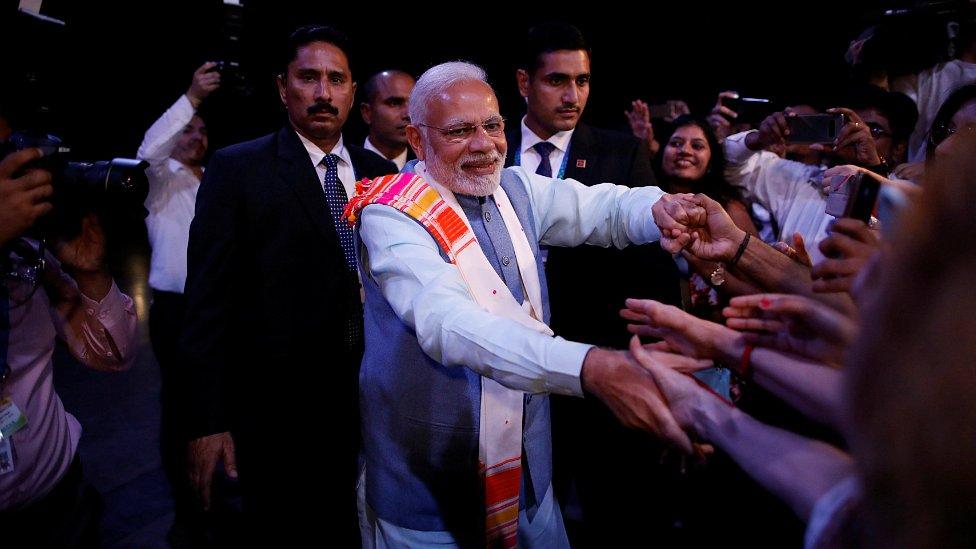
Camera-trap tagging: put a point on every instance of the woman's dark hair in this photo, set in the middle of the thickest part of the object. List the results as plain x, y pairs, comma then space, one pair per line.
949, 108
713, 182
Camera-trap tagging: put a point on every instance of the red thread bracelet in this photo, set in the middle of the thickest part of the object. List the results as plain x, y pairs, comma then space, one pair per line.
745, 364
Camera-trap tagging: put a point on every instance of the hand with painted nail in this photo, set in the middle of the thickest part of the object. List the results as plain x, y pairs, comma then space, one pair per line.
792, 324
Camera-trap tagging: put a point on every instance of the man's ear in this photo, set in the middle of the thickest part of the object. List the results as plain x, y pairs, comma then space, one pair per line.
522, 77
366, 112
416, 141
280, 82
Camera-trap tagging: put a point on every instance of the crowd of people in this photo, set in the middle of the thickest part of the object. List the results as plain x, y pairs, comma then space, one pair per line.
473, 331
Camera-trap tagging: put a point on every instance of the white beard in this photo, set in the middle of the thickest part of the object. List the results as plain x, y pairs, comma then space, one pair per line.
454, 178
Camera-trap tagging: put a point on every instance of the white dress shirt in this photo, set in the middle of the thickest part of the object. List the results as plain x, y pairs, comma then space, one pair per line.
791, 190
530, 159
400, 160
430, 296
172, 197
346, 174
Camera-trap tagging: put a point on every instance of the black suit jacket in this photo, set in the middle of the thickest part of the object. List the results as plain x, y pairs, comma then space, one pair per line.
269, 301
588, 284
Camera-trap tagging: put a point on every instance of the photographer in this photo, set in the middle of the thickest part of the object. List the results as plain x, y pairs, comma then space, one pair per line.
68, 294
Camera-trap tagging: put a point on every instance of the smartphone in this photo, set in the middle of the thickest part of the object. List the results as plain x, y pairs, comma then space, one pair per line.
855, 198
749, 109
814, 128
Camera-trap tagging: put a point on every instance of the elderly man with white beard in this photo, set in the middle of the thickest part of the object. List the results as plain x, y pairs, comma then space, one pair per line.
459, 360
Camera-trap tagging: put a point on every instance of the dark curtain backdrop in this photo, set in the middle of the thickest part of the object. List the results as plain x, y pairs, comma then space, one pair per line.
115, 66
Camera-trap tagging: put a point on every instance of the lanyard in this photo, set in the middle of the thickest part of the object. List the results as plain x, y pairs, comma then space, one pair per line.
562, 167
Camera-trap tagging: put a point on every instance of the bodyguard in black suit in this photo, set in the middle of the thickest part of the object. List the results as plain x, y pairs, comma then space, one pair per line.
594, 458
274, 323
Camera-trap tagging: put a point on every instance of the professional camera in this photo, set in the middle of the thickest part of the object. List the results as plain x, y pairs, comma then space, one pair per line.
115, 190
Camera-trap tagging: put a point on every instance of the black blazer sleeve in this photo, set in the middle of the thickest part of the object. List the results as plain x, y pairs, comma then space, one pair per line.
213, 268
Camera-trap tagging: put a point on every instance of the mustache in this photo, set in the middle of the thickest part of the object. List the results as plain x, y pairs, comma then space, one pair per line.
323, 107
481, 158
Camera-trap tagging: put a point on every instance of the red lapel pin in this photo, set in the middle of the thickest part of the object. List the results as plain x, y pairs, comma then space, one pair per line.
581, 163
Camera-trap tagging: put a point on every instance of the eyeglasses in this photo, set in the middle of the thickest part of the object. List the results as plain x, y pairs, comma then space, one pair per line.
494, 127
944, 131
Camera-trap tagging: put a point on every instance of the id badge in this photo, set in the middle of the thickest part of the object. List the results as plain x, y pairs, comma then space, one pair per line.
6, 457
11, 418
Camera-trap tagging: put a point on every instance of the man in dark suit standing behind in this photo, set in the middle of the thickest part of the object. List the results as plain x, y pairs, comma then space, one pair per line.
273, 332
588, 285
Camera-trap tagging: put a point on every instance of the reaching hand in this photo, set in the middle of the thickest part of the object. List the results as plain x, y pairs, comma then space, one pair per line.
639, 118
797, 252
848, 249
684, 333
630, 393
676, 215
718, 238
793, 324
686, 400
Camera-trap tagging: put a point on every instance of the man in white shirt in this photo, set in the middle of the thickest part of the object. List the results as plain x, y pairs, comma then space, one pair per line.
175, 147
431, 345
385, 112
874, 137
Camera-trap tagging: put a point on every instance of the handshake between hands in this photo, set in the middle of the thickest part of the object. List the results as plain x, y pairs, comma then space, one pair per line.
697, 225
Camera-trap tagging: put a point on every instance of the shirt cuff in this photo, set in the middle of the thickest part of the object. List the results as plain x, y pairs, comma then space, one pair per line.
184, 104
736, 151
109, 311
564, 364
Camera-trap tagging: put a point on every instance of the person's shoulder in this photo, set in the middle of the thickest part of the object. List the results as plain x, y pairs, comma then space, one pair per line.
248, 149
608, 139
367, 161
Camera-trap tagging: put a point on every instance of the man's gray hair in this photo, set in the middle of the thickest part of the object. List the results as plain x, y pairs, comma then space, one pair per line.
435, 81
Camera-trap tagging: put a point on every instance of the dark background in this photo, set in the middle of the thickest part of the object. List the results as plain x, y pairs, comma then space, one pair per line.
116, 66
